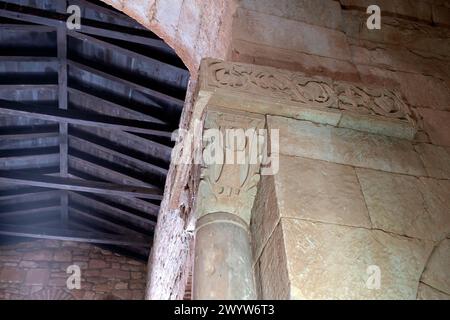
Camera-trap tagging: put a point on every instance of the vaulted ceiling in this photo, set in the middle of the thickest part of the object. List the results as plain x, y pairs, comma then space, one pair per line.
86, 118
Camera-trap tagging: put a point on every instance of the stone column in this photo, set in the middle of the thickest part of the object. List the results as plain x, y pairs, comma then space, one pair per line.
223, 258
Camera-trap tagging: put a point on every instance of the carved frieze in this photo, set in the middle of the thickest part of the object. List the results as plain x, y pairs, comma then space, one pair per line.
307, 92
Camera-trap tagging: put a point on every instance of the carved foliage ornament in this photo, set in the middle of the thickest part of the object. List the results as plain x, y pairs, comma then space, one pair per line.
229, 184
305, 91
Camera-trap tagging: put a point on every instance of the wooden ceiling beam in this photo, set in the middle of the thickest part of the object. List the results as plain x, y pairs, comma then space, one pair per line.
80, 185
71, 235
81, 118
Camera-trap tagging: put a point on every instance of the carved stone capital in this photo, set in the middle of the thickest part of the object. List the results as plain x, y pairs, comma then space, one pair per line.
232, 144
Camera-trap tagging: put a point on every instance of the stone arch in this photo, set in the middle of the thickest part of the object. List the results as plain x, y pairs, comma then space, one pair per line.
193, 28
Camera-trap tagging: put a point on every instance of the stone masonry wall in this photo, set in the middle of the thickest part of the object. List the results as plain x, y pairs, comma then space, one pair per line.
344, 201
326, 38
329, 38
37, 270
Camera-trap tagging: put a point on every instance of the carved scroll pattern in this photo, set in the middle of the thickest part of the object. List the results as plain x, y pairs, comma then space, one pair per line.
307, 92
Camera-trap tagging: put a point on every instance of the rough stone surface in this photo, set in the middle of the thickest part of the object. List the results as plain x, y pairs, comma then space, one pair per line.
320, 191
260, 28
330, 262
437, 271
345, 146
273, 268
265, 215
437, 125
104, 275
406, 205
426, 292
435, 159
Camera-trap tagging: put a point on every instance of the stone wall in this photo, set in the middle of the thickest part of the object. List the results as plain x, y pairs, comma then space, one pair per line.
345, 200
329, 38
325, 38
37, 270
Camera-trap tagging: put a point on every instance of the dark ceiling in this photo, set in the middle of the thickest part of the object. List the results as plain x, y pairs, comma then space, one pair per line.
86, 118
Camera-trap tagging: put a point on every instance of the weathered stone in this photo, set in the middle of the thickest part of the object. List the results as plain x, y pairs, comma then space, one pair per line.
265, 215
273, 268
435, 159
320, 191
62, 256
37, 277
426, 292
331, 262
437, 271
323, 13
11, 275
40, 255
311, 65
115, 274
258, 27
121, 285
406, 205
345, 146
420, 10
223, 259
97, 264
437, 125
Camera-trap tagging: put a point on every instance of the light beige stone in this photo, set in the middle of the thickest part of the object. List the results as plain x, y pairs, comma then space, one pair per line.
437, 125
346, 146
273, 268
317, 12
265, 215
436, 160
320, 191
437, 271
429, 293
275, 31
406, 205
330, 262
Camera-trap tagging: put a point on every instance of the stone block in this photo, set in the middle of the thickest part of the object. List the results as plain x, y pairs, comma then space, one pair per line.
346, 146
38, 255
62, 256
437, 125
97, 264
426, 292
265, 215
12, 275
406, 205
273, 268
437, 271
436, 160
37, 277
323, 13
331, 262
320, 191
275, 31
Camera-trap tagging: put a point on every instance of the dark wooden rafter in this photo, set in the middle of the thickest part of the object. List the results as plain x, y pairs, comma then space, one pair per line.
45, 181
86, 119
63, 126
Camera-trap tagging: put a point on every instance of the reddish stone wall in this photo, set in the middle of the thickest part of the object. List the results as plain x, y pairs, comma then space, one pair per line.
329, 38
37, 270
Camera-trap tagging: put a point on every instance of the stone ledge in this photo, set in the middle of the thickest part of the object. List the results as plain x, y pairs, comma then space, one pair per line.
272, 91
345, 146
